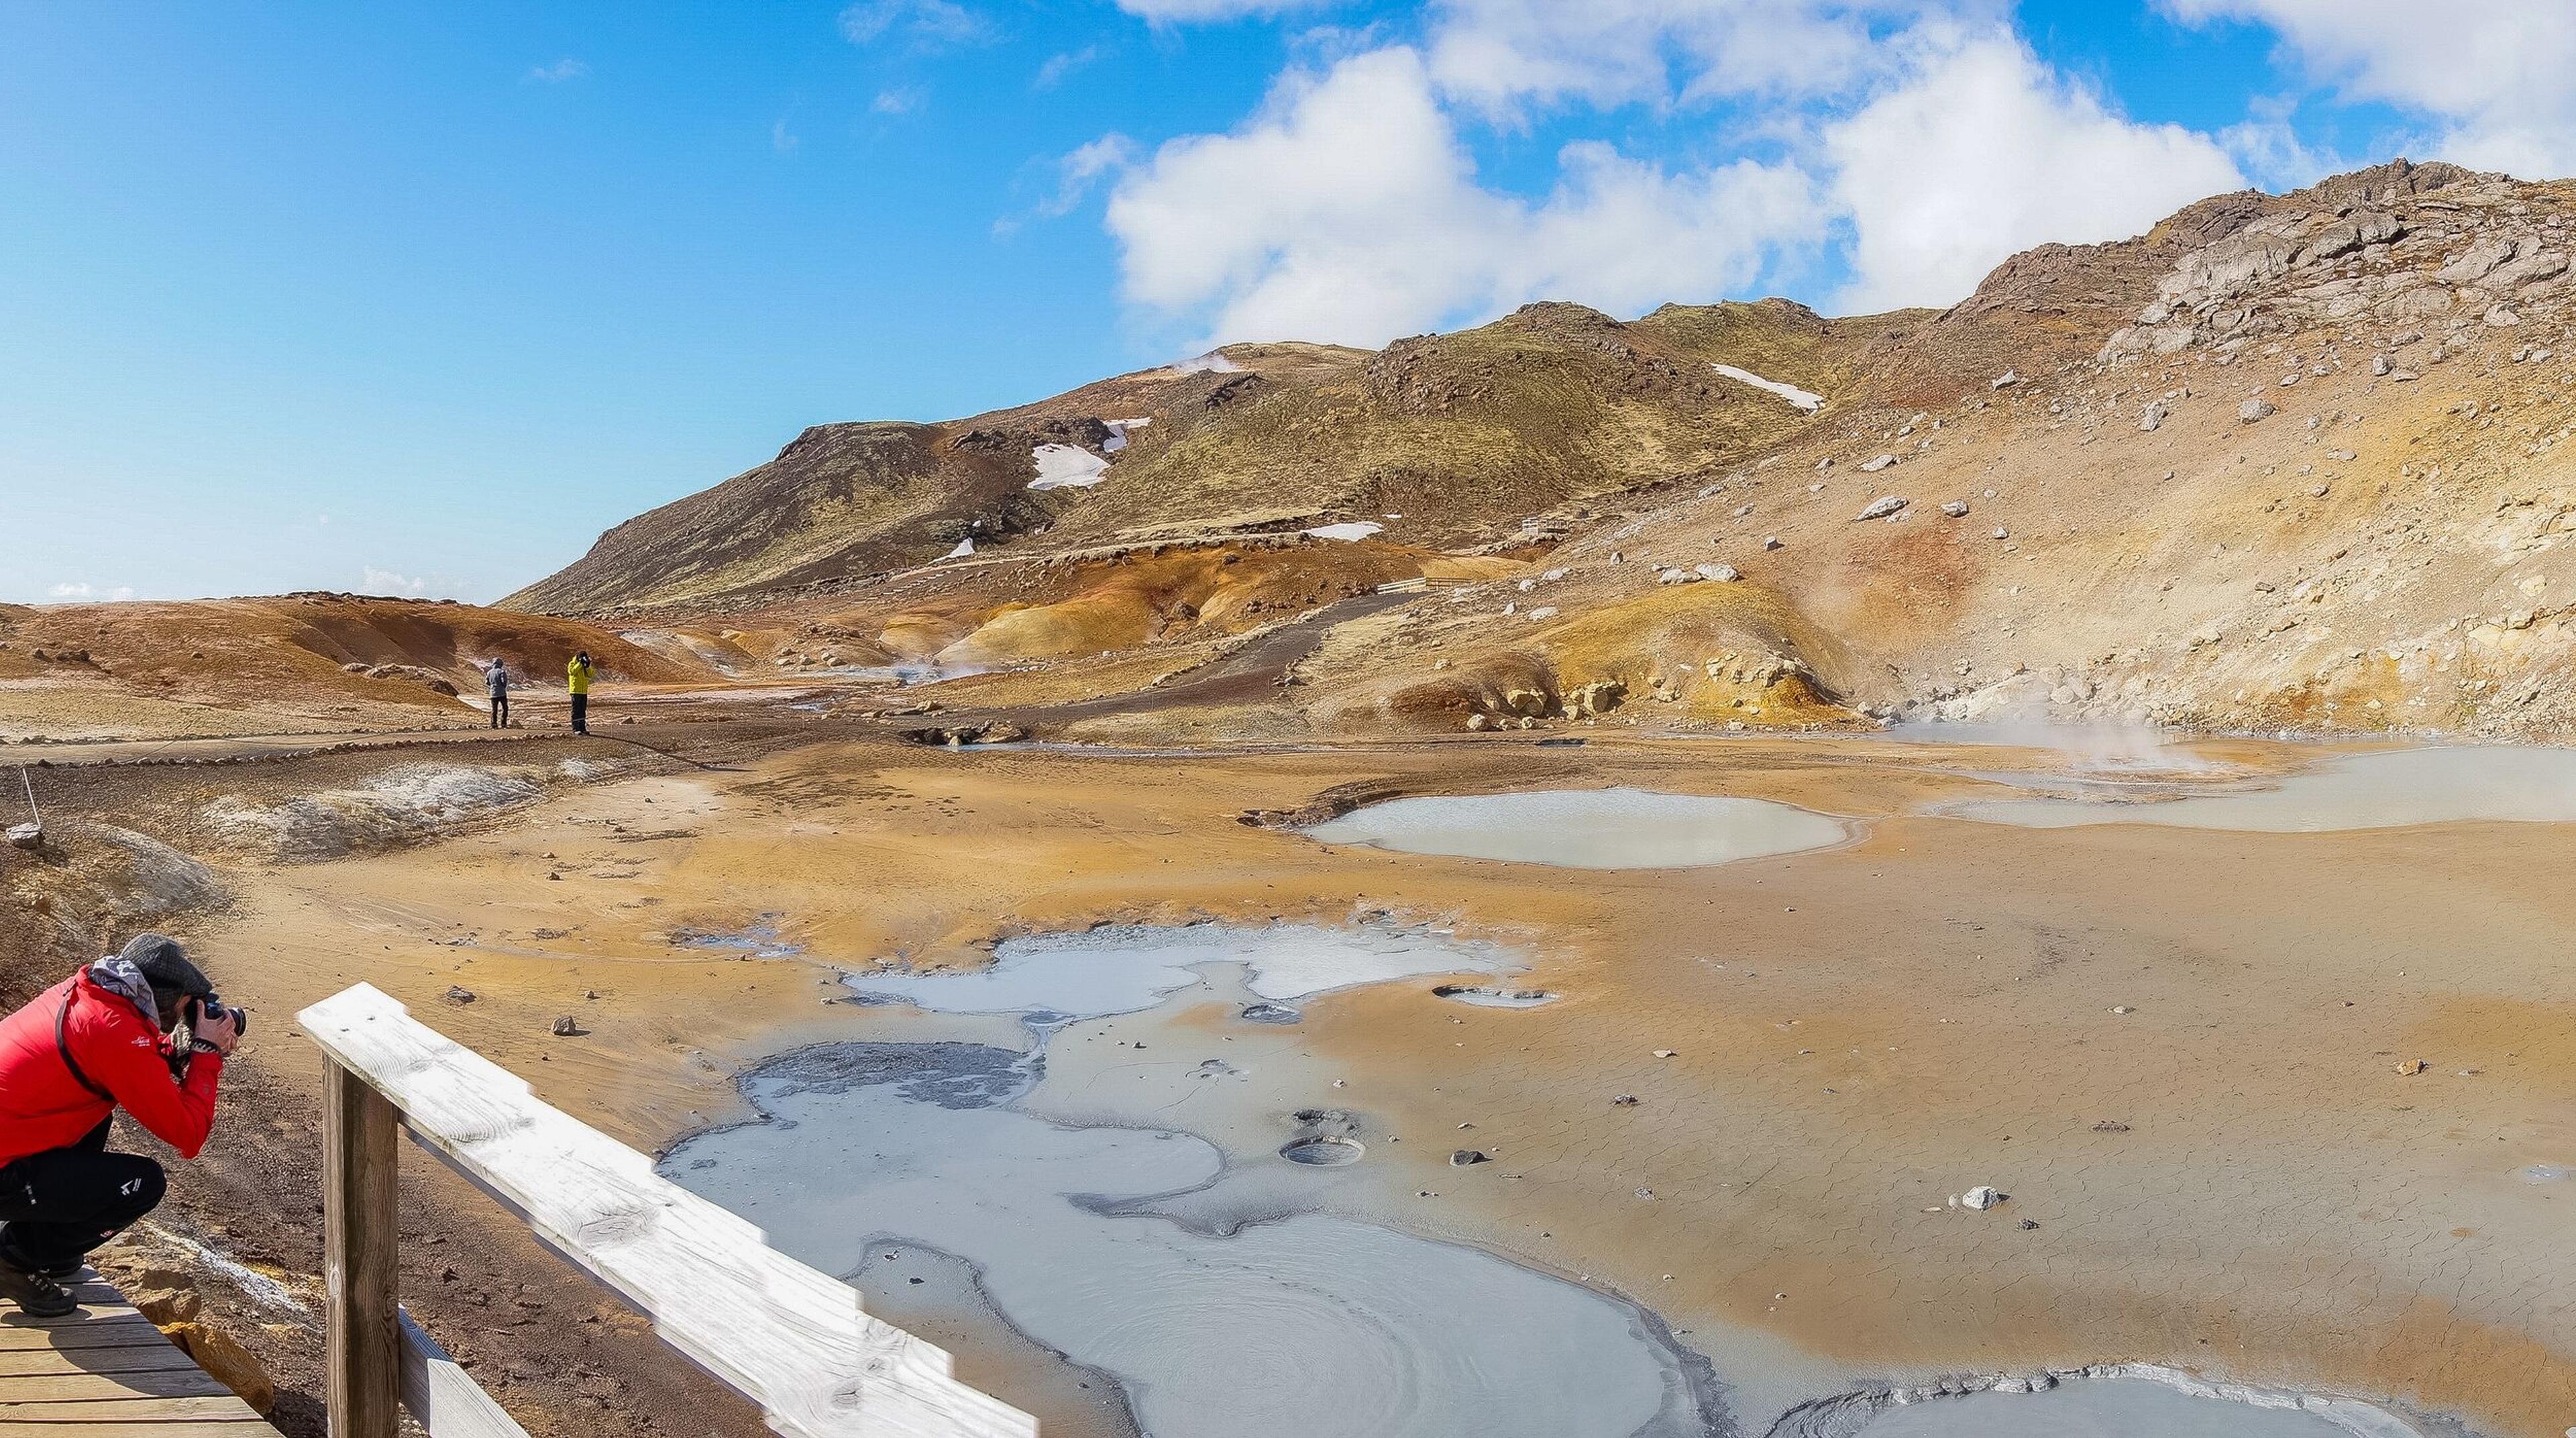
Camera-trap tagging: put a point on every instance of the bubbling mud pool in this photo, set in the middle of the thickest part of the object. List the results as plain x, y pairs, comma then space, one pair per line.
2382, 790
1303, 1326
1587, 828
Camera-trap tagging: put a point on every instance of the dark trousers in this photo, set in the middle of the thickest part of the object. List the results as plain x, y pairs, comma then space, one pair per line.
500, 711
581, 714
63, 1202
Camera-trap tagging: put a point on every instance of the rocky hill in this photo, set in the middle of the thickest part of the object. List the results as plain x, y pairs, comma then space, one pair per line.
2284, 461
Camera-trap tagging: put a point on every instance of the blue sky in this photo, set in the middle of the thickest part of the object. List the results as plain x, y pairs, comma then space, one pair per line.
420, 299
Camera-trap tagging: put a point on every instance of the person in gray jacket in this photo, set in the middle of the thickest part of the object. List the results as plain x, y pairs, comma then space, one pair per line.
496, 680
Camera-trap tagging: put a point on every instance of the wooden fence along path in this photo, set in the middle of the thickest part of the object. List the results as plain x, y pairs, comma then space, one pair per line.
787, 1336
105, 1370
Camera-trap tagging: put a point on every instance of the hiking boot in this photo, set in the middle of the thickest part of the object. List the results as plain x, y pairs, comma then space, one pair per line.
60, 1272
38, 1295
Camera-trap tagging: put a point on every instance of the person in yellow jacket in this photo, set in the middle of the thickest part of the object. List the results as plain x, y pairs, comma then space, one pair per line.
577, 679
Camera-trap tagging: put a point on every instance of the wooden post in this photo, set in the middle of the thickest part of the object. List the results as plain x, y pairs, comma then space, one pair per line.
360, 1233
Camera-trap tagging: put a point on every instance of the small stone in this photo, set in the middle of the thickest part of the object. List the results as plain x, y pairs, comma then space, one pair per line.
1467, 1158
566, 1027
1667, 1053
2002, 533
1981, 1198
2006, 380
1479, 723
2029, 1223
458, 994
2410, 1068
2122, 1009
2255, 409
1722, 573
26, 836
1625, 1100
2110, 1125
1955, 508
1771, 541
2154, 416
1881, 507
1875, 465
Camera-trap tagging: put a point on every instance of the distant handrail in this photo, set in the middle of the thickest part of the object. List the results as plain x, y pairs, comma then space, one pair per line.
789, 1337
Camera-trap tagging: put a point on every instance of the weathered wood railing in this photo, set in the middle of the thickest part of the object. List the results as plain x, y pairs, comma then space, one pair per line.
787, 1336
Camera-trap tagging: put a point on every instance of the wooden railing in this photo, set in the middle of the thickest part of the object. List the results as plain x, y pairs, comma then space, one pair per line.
787, 1336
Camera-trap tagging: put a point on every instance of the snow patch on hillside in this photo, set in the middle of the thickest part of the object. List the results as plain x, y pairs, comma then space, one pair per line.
1805, 401
1119, 429
1356, 529
1066, 466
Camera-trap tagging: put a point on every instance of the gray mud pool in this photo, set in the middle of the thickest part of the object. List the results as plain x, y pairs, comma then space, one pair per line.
1128, 969
2129, 1408
1587, 828
1306, 1326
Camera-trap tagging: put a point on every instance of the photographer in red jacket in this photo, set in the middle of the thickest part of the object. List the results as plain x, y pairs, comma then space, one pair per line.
142, 1031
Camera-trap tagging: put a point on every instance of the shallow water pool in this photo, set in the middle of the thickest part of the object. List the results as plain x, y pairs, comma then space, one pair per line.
1587, 828
2385, 790
1128, 968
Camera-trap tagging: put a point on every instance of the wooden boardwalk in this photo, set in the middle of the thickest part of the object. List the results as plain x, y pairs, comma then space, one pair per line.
106, 1370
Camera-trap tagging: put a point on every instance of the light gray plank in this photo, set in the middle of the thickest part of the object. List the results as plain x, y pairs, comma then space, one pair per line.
445, 1398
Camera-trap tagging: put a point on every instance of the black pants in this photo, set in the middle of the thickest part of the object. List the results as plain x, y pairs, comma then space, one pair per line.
500, 711
581, 714
63, 1202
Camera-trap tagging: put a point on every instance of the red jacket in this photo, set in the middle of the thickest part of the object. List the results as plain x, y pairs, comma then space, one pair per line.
43, 1107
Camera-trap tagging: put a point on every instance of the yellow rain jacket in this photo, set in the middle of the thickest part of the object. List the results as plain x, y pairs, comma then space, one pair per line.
577, 677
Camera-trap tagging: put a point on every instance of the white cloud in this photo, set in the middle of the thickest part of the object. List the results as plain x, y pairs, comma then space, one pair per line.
1084, 168
1347, 209
1052, 73
1984, 151
386, 581
1494, 54
1174, 12
2494, 71
86, 591
2266, 145
560, 71
928, 24
900, 102
782, 139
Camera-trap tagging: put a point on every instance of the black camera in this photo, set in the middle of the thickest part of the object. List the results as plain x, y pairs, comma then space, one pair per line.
213, 1004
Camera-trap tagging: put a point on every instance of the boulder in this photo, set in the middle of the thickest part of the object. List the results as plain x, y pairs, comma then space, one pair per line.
1678, 576
1722, 573
2255, 409
2154, 417
1956, 508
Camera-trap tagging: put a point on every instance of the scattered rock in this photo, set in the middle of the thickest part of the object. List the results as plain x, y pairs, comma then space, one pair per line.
1667, 1053
1625, 1100
2154, 417
1467, 1158
2255, 409
1955, 508
1722, 573
2110, 1125
1478, 723
2410, 1068
228, 1362
567, 1027
1770, 541
1881, 507
1981, 1198
1679, 576
1875, 465
26, 836
2006, 380
459, 994
2027, 1224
